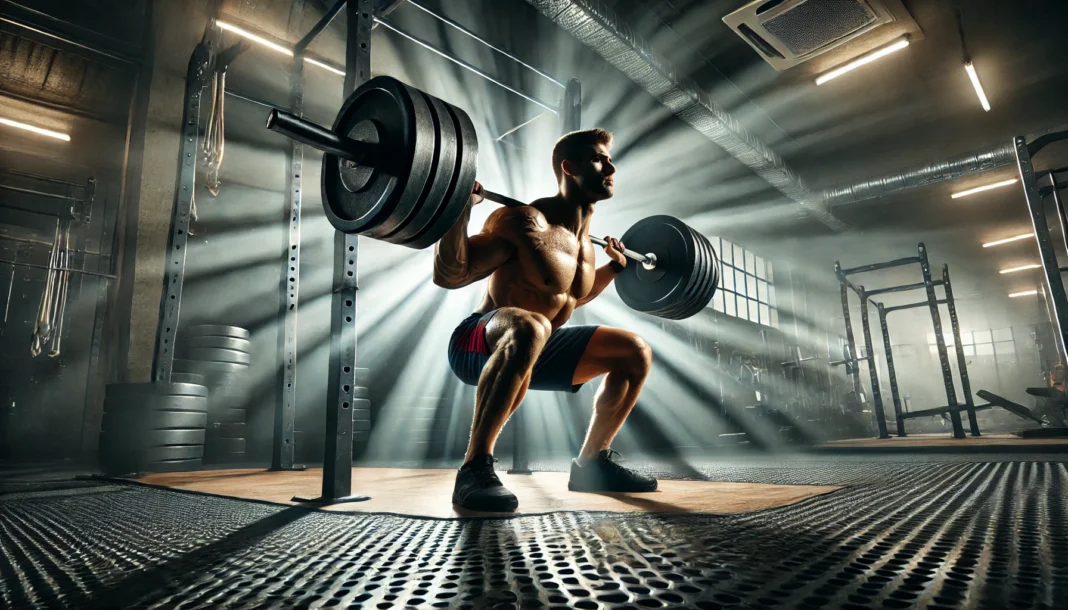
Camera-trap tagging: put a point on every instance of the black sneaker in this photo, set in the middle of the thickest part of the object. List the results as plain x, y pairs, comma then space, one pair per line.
602, 474
478, 488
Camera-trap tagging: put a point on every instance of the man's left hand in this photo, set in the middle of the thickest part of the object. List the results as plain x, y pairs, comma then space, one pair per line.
614, 249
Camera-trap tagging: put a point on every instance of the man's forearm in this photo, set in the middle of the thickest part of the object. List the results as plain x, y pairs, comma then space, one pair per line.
601, 280
451, 261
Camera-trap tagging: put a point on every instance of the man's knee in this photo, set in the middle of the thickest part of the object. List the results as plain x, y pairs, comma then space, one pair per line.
639, 356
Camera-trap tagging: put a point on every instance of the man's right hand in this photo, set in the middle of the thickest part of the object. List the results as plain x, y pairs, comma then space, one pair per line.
476, 194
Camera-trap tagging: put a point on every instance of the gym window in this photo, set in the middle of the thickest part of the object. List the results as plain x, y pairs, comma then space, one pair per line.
747, 286
998, 342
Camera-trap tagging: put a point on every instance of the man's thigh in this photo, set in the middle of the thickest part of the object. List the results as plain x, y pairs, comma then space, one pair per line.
608, 349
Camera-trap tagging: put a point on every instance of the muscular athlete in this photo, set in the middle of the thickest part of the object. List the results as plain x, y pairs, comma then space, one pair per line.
540, 264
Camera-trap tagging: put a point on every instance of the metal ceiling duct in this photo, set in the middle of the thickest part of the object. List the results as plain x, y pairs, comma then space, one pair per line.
922, 175
593, 23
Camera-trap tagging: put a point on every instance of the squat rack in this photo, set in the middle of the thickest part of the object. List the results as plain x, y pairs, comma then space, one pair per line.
932, 302
337, 458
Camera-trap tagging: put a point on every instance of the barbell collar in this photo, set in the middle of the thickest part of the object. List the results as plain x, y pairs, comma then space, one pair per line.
648, 260
319, 137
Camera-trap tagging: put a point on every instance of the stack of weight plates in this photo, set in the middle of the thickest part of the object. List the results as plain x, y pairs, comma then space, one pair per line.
427, 422
221, 354
309, 435
153, 427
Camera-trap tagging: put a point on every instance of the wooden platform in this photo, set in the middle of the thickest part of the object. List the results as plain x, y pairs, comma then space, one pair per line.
1008, 442
428, 493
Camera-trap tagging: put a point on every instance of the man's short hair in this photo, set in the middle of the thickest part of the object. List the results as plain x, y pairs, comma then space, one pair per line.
575, 145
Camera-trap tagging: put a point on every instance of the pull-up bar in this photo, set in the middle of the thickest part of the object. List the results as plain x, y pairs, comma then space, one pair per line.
877, 266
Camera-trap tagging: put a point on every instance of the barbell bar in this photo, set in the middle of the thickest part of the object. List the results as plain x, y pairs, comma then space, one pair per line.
400, 167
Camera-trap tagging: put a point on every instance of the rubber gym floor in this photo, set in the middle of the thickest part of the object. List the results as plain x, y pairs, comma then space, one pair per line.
929, 531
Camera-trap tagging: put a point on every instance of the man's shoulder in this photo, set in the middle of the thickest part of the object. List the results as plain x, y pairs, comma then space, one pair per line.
514, 216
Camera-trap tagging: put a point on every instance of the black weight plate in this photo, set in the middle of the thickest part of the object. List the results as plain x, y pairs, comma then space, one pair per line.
131, 421
230, 343
698, 285
694, 285
367, 202
665, 286
218, 445
361, 425
227, 415
361, 437
442, 172
227, 429
174, 452
456, 198
175, 465
163, 438
714, 273
419, 174
216, 330
213, 354
360, 392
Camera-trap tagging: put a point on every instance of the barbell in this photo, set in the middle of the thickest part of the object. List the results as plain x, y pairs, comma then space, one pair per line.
399, 166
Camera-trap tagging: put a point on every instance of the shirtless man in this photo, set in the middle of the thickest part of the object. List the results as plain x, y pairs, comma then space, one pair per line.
540, 262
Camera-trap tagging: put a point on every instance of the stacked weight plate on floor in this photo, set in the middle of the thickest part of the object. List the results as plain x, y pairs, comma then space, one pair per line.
221, 355
153, 427
684, 278
426, 167
309, 436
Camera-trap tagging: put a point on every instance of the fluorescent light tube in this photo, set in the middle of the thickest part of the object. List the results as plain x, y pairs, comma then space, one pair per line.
38, 130
1007, 240
229, 27
867, 58
978, 86
985, 187
1020, 268
1025, 293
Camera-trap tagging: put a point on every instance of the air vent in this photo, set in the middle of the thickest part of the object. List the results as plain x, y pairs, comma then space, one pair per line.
788, 32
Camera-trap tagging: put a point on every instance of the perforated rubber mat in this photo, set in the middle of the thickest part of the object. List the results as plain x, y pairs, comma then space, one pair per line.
935, 535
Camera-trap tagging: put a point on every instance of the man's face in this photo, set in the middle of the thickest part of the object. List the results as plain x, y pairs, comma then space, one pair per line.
594, 173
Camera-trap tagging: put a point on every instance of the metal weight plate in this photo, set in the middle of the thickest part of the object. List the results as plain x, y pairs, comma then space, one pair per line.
175, 465
149, 393
239, 345
227, 430
383, 111
456, 198
132, 422
193, 378
363, 376
213, 354
420, 158
443, 171
228, 415
216, 330
173, 452
162, 438
694, 287
218, 445
663, 287
701, 282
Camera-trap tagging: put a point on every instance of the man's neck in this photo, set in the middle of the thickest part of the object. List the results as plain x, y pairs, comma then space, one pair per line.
571, 208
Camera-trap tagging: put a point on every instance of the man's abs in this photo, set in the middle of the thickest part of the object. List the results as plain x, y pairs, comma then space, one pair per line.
510, 287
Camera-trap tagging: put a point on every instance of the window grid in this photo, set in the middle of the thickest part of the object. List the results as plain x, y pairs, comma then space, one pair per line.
746, 287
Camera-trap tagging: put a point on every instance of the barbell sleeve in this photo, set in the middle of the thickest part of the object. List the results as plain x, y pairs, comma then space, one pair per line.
317, 136
507, 201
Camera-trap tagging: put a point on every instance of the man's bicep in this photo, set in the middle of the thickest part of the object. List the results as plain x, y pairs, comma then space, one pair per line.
487, 251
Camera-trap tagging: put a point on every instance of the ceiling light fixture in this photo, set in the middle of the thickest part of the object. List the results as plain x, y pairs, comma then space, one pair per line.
867, 58
1007, 240
985, 187
38, 130
274, 46
1025, 293
978, 86
1020, 268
